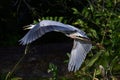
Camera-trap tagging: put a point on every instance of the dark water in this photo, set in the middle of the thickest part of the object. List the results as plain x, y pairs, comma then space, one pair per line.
37, 60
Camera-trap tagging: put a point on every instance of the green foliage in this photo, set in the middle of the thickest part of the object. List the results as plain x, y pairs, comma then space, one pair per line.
53, 69
106, 32
56, 18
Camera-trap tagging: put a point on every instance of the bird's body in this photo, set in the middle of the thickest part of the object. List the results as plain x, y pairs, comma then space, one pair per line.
81, 45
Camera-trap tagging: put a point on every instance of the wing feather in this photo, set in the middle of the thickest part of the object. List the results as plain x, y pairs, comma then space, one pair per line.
43, 27
78, 54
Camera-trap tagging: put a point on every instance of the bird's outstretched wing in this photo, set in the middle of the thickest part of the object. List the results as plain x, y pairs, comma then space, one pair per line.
46, 26
78, 54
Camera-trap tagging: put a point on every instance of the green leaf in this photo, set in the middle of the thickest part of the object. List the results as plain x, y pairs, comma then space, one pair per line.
94, 59
93, 33
60, 19
55, 18
75, 11
17, 78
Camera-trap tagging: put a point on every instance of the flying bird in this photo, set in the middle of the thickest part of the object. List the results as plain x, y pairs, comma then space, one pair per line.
81, 45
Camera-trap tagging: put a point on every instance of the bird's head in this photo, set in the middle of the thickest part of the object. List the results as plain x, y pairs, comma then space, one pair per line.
78, 36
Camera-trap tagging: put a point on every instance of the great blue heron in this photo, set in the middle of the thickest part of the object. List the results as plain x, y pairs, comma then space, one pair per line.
82, 44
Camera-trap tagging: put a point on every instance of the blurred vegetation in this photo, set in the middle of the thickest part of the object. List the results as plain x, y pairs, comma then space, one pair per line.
100, 19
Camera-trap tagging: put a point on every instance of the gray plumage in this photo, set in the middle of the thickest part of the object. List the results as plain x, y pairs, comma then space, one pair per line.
80, 47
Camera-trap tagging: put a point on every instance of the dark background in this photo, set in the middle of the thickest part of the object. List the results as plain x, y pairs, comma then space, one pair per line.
14, 14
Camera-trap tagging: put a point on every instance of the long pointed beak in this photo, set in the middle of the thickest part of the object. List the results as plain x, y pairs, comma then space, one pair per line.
84, 39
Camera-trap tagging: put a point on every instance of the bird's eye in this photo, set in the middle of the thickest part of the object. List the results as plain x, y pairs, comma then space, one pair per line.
78, 36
